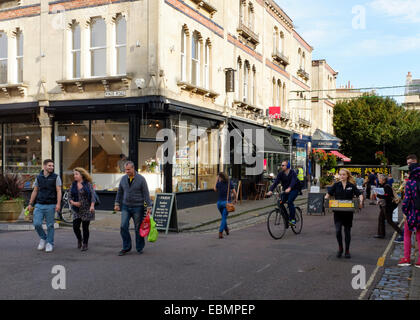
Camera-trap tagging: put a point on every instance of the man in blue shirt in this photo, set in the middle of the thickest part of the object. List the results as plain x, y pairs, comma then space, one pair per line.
291, 187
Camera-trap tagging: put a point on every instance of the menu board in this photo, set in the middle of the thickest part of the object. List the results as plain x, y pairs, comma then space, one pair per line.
316, 203
164, 212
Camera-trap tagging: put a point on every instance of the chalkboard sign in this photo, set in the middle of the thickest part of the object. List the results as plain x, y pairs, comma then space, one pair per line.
164, 212
316, 203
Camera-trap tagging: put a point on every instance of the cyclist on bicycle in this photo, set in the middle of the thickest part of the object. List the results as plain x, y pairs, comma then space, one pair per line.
289, 182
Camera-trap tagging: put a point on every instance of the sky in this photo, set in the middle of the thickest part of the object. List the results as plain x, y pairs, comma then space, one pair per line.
372, 43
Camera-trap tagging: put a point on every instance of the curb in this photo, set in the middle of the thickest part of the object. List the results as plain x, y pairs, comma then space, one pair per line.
190, 228
22, 227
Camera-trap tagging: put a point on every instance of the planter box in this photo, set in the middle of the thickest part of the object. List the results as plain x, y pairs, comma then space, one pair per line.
10, 210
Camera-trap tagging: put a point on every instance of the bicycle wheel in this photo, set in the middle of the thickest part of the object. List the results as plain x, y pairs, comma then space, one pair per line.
65, 214
297, 228
276, 225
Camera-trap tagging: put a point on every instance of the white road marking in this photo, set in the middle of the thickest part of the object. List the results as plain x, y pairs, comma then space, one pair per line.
383, 257
264, 268
230, 289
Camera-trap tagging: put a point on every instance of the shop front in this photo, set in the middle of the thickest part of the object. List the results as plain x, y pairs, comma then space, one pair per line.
21, 141
274, 159
101, 135
300, 154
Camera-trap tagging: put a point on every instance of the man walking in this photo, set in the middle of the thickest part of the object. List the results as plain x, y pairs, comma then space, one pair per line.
132, 193
372, 182
47, 196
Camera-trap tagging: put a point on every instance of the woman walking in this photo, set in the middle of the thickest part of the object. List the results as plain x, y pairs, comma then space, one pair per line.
386, 207
224, 186
82, 201
345, 189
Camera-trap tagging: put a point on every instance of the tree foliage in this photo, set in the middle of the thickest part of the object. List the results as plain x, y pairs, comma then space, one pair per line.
370, 124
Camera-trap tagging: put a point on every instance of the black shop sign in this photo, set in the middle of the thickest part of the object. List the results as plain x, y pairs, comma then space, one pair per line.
164, 212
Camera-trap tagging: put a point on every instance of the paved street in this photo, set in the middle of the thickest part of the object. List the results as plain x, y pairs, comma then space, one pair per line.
248, 264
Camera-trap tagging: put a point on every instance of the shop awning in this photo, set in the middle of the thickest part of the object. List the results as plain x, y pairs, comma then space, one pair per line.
324, 140
270, 144
341, 156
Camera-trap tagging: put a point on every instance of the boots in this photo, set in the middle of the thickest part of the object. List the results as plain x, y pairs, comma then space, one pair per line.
227, 231
220, 235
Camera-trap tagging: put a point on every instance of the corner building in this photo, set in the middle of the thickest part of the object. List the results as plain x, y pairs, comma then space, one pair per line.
83, 82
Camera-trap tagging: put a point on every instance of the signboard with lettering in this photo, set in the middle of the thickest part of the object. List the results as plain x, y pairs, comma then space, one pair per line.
164, 212
316, 203
109, 94
365, 170
274, 112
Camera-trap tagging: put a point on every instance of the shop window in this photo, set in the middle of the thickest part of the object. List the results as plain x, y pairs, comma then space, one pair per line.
76, 51
151, 166
184, 164
3, 58
19, 56
208, 153
23, 150
72, 148
149, 128
121, 44
98, 47
110, 147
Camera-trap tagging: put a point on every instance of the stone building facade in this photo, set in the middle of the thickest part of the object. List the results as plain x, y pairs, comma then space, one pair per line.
86, 82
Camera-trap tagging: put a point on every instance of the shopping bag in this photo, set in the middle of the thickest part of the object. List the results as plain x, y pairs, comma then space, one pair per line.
395, 215
145, 227
153, 234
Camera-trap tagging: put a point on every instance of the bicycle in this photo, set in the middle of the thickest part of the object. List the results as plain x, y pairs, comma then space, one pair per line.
278, 220
65, 214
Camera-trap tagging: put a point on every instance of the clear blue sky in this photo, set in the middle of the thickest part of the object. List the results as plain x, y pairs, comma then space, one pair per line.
379, 53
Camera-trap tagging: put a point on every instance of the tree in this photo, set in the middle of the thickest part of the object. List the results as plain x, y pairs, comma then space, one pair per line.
370, 124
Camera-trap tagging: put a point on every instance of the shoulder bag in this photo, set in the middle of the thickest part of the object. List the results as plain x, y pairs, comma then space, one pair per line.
230, 207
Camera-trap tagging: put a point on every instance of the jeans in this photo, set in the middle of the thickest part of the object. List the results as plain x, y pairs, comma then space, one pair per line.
137, 213
290, 198
46, 211
221, 205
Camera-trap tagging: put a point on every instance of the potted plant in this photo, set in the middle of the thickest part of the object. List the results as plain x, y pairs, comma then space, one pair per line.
11, 200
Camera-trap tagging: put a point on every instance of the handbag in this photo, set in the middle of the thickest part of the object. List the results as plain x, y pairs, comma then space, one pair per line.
153, 234
230, 207
145, 227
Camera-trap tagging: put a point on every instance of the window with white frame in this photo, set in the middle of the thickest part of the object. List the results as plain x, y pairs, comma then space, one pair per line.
195, 60
284, 97
75, 51
281, 43
275, 39
3, 57
253, 88
121, 44
274, 93
237, 81
251, 16
279, 89
207, 66
303, 61
246, 79
98, 47
183, 55
19, 56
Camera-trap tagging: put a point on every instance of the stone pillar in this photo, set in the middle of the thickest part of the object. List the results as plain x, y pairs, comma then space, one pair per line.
46, 131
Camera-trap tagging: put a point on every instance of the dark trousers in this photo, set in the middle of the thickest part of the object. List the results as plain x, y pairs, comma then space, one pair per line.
347, 234
385, 213
85, 227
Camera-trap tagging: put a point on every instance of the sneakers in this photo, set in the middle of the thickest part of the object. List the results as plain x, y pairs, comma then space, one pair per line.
400, 239
347, 255
404, 262
49, 247
292, 223
41, 245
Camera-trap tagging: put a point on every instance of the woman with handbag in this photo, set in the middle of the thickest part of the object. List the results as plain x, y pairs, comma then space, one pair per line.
82, 200
224, 186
